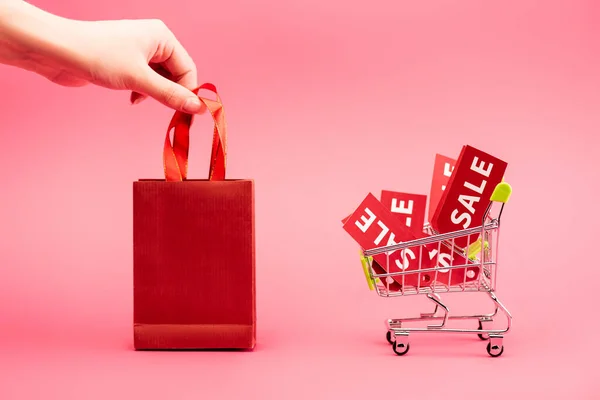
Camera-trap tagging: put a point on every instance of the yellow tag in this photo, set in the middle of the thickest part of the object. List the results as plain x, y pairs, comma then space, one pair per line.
365, 265
475, 248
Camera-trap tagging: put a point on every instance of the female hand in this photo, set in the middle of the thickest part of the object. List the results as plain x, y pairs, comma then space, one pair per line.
142, 56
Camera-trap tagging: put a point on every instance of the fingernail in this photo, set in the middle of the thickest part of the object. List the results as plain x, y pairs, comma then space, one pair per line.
192, 105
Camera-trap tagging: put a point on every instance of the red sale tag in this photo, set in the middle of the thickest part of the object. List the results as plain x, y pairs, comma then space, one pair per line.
467, 196
442, 169
373, 225
443, 258
408, 207
388, 282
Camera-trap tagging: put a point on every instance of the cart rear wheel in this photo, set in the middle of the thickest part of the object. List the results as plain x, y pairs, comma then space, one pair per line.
401, 348
388, 337
495, 351
482, 336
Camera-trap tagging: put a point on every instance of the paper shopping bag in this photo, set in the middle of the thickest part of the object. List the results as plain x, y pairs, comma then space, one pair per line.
194, 249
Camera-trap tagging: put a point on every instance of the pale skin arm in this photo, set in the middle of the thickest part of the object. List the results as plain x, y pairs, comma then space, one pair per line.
142, 56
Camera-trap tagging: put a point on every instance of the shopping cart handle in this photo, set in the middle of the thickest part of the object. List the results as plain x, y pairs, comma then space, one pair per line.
365, 264
501, 193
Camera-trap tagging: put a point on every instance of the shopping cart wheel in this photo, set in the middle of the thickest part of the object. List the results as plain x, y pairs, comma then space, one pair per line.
495, 350
388, 337
482, 336
401, 348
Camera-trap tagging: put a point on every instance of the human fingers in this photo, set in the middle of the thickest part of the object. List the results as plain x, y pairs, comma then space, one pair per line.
136, 98
175, 60
173, 63
148, 82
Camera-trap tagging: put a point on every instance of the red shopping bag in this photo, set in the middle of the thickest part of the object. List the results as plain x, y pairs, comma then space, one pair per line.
194, 249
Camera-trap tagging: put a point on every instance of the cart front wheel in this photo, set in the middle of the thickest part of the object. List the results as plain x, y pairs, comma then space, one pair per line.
495, 350
401, 348
388, 337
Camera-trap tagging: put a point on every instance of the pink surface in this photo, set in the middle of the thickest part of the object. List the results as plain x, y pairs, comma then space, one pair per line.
326, 101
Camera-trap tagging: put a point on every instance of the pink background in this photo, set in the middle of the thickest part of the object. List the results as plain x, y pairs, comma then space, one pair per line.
326, 101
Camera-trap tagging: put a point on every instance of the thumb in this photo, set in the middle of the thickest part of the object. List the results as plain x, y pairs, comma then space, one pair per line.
167, 92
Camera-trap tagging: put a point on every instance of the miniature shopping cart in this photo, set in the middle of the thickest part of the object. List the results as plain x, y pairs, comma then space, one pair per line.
481, 255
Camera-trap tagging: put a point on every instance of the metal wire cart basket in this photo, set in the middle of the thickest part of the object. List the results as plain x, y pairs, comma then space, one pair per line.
480, 259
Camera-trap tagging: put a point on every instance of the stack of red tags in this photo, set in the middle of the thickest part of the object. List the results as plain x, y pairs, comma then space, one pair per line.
459, 196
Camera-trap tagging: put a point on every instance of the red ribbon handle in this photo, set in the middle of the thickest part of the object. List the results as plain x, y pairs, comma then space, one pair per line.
175, 155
